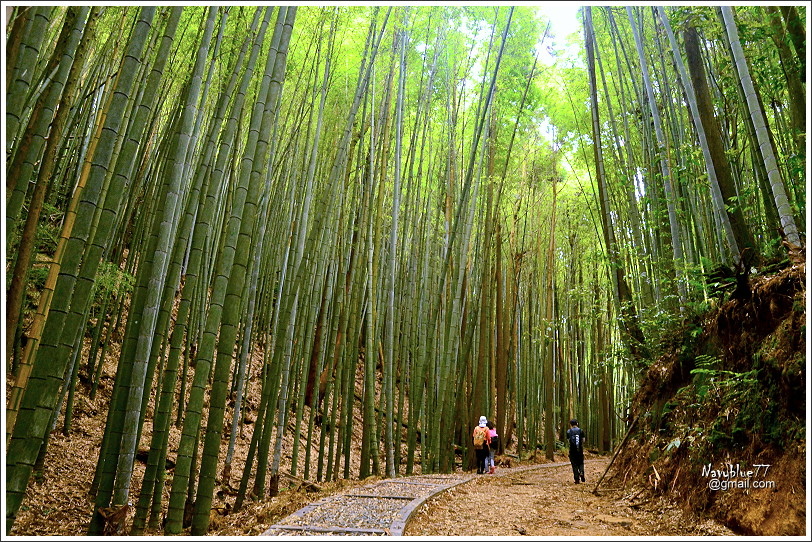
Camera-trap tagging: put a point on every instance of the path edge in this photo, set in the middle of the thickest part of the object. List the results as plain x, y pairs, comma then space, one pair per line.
397, 527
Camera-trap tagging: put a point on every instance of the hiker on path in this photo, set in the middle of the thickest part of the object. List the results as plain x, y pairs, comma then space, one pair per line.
481, 439
493, 444
576, 438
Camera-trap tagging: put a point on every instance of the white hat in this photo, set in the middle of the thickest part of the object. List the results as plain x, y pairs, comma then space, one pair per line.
483, 421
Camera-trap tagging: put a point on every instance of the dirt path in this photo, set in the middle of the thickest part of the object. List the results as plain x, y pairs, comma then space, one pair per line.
546, 502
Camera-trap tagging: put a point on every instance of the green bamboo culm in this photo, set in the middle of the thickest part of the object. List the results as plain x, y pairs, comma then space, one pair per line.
266, 111
203, 362
108, 457
152, 486
41, 393
43, 134
765, 147
22, 71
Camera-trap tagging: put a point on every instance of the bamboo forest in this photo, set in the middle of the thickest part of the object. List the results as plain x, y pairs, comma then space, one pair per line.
258, 254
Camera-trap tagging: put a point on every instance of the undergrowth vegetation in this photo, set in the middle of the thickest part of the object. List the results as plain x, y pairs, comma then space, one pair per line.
729, 396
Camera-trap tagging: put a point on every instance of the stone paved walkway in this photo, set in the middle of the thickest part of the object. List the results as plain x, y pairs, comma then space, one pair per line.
382, 508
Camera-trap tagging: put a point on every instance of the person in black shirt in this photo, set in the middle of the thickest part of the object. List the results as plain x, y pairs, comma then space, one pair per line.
576, 438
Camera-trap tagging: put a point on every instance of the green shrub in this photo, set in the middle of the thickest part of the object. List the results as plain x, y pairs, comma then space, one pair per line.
111, 281
48, 230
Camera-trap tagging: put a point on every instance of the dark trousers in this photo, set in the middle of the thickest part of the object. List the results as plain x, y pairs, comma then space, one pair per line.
480, 460
577, 467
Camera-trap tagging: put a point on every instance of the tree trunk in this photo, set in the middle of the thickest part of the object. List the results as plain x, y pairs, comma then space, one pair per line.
785, 212
633, 335
30, 431
713, 144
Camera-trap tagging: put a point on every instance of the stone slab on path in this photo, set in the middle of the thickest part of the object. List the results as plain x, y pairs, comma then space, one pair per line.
382, 508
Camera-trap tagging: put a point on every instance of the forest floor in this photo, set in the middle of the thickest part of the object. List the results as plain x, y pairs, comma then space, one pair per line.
546, 502
536, 502
540, 501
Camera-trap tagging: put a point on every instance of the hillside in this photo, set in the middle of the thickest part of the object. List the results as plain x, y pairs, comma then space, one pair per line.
719, 422
58, 500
